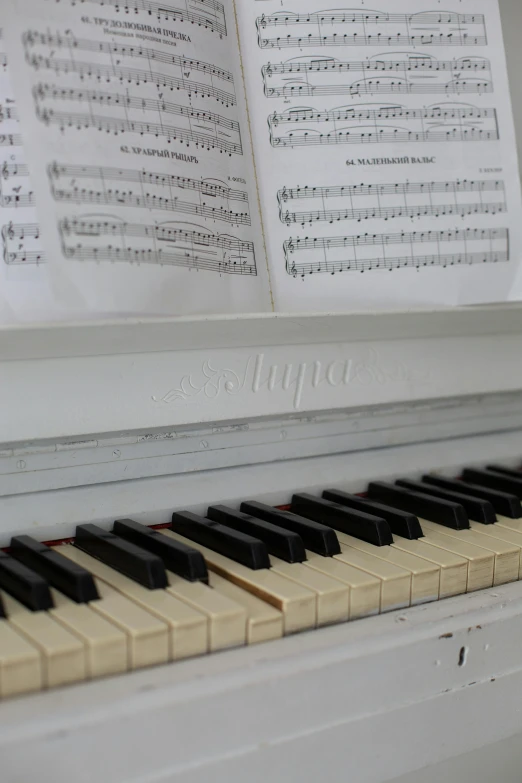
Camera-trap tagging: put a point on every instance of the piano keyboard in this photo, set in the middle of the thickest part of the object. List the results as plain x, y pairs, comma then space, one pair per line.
115, 601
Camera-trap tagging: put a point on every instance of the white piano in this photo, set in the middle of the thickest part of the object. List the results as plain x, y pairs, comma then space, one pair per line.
138, 419
107, 421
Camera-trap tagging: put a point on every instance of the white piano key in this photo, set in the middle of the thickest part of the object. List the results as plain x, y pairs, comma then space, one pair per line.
21, 666
500, 533
395, 581
506, 556
332, 596
297, 603
106, 645
453, 572
425, 576
512, 524
187, 629
481, 563
227, 619
64, 658
365, 589
264, 623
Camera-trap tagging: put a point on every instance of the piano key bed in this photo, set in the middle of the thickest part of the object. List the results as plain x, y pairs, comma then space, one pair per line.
115, 601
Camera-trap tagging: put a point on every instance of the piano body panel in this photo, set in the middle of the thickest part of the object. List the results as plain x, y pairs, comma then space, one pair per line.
53, 514
376, 698
75, 383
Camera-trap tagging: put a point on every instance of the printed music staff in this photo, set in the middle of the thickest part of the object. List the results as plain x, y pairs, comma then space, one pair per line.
381, 124
404, 74
389, 201
81, 109
361, 28
417, 249
108, 239
20, 243
115, 62
150, 190
208, 14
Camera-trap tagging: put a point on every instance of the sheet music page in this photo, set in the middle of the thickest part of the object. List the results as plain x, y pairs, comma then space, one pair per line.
135, 120
24, 285
385, 151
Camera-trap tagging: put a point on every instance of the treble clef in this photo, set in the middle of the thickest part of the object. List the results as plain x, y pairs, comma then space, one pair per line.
65, 227
268, 70
290, 245
29, 38
262, 22
53, 172
5, 170
10, 230
284, 195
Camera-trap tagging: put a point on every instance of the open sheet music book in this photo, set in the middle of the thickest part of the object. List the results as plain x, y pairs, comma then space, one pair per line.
238, 156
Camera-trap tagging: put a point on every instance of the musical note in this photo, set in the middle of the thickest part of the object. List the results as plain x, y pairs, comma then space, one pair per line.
365, 124
24, 258
284, 19
416, 75
15, 239
69, 42
10, 140
19, 235
8, 113
105, 191
209, 136
113, 68
210, 14
392, 200
97, 98
421, 29
163, 244
421, 249
14, 170
21, 231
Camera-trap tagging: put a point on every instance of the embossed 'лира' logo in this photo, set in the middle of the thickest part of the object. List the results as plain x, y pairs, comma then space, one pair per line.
299, 378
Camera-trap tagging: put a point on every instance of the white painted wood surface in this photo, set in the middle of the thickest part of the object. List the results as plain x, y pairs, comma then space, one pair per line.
134, 418
75, 383
368, 701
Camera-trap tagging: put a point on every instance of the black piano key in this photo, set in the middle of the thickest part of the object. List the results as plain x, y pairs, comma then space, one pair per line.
401, 523
366, 527
477, 509
66, 576
516, 474
489, 478
177, 557
445, 512
241, 547
316, 537
123, 556
28, 587
281, 543
505, 504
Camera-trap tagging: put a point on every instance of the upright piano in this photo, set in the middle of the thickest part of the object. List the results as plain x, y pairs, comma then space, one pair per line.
225, 453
